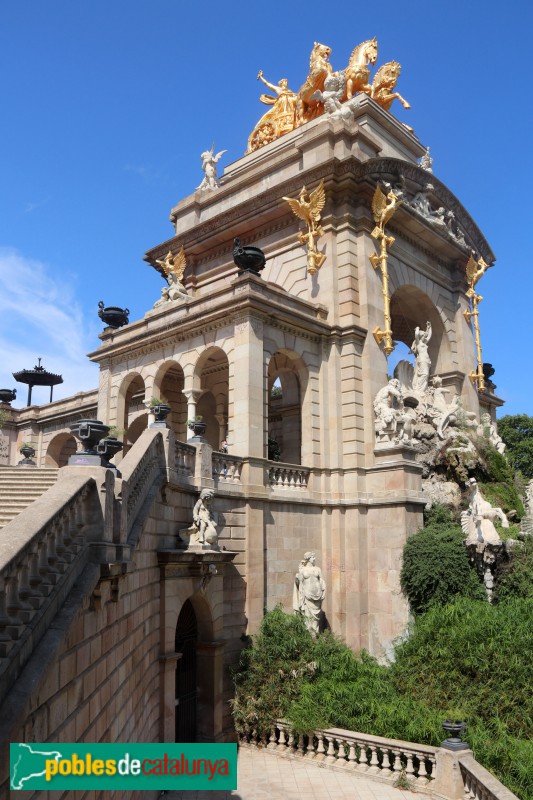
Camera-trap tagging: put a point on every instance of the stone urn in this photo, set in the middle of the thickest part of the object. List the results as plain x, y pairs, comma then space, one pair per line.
113, 316
89, 432
108, 448
28, 452
454, 729
248, 259
160, 412
198, 428
7, 395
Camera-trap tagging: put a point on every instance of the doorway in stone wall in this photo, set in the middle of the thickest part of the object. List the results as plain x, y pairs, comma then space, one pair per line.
186, 677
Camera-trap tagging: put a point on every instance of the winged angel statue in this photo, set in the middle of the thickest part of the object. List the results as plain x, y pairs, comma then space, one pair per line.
308, 208
209, 166
174, 269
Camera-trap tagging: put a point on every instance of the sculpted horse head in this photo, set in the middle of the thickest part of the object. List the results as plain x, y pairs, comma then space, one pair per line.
384, 83
358, 70
319, 69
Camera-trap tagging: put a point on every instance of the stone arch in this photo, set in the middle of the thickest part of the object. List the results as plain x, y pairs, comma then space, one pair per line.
168, 387
287, 371
59, 450
132, 415
411, 307
211, 381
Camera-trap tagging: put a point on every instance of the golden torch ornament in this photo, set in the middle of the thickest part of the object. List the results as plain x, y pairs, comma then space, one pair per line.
308, 208
383, 207
474, 271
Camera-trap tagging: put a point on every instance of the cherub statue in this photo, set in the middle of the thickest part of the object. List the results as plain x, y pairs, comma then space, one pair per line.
426, 162
209, 166
204, 520
173, 269
332, 95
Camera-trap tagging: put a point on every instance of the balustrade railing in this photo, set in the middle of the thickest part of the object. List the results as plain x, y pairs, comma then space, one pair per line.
139, 472
480, 784
184, 460
288, 476
226, 468
374, 755
35, 564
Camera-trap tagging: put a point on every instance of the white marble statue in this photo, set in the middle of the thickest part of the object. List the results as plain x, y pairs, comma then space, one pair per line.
477, 522
309, 592
203, 531
420, 350
426, 162
420, 202
332, 95
393, 423
438, 410
488, 428
209, 166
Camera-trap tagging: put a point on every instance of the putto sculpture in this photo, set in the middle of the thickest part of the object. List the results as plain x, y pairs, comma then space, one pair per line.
308, 208
174, 268
203, 531
209, 166
309, 593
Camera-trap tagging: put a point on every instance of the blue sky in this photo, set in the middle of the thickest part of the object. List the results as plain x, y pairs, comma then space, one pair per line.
106, 107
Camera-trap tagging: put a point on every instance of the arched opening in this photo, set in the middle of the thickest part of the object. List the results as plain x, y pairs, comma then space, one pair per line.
411, 308
212, 375
60, 449
284, 408
132, 415
168, 387
186, 674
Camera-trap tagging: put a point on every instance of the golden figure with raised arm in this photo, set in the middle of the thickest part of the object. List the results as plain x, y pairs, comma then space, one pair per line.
281, 117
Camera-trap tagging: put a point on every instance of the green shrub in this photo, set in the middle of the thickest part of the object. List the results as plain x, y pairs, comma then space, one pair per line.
436, 567
514, 578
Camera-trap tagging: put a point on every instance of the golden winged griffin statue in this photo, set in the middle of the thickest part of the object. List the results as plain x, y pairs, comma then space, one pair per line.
308, 207
325, 91
173, 268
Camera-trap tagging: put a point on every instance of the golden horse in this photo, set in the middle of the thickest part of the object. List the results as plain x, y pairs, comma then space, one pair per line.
384, 84
357, 72
319, 69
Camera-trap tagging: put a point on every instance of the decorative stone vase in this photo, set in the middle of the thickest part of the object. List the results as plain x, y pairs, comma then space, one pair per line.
7, 395
198, 428
113, 316
89, 432
108, 448
160, 412
28, 452
248, 259
455, 729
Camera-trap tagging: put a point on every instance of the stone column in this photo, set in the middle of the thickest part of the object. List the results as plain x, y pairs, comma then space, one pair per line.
248, 388
192, 396
167, 697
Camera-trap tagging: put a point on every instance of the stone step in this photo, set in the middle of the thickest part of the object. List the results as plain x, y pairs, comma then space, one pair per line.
20, 487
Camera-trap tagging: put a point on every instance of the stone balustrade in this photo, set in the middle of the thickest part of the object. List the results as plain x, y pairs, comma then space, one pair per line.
226, 468
479, 783
288, 476
185, 455
374, 755
42, 553
144, 466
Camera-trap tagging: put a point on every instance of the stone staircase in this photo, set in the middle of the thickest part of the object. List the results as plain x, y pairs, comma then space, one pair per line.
20, 486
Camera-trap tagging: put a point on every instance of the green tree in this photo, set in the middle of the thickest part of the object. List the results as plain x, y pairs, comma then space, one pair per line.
517, 432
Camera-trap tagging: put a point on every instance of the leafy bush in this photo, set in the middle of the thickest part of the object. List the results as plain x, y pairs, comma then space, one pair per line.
436, 567
515, 577
469, 656
517, 433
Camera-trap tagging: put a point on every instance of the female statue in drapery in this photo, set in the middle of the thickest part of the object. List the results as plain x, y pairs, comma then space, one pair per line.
279, 120
423, 364
309, 593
